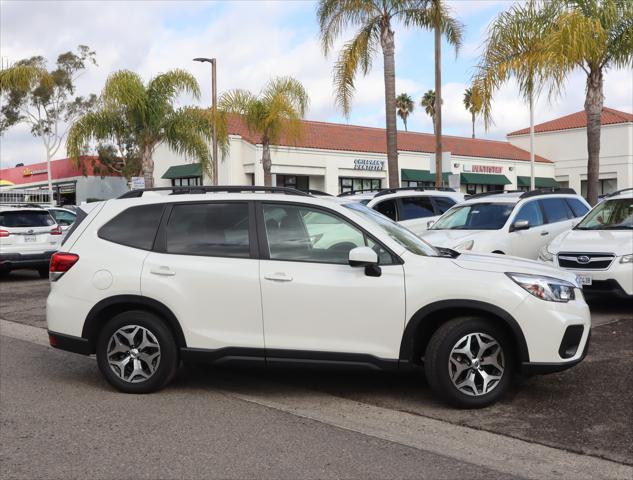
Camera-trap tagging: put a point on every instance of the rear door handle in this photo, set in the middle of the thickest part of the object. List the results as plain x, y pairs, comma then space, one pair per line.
544, 233
278, 277
163, 270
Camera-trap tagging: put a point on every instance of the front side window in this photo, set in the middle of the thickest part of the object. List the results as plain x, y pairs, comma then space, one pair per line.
556, 210
210, 229
442, 204
387, 208
475, 216
579, 208
135, 227
415, 207
616, 214
532, 213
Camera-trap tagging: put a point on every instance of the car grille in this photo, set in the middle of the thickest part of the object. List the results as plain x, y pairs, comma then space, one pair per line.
585, 261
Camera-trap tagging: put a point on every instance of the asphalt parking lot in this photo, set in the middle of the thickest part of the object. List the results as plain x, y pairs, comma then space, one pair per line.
587, 409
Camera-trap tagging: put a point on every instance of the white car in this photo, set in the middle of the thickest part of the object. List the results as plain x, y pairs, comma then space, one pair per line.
414, 207
63, 216
237, 274
599, 250
510, 223
28, 238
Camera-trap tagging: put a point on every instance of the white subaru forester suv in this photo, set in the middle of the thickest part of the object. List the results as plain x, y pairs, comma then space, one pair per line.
252, 274
599, 250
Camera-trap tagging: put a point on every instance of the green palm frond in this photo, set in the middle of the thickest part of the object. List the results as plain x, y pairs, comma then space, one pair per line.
102, 125
189, 131
427, 14
335, 16
167, 86
125, 88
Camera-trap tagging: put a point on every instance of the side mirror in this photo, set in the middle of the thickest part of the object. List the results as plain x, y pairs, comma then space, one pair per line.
520, 225
365, 257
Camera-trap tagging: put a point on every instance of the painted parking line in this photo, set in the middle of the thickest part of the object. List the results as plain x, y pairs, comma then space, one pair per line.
499, 452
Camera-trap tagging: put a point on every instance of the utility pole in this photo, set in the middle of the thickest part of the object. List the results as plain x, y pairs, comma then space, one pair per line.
214, 107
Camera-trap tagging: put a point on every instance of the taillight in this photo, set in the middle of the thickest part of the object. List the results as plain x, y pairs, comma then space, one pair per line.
4, 233
60, 263
57, 230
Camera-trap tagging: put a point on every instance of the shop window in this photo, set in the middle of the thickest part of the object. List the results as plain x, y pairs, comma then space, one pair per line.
348, 184
300, 182
605, 186
186, 182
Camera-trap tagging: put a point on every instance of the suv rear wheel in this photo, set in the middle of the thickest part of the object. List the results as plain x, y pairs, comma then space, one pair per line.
136, 352
468, 362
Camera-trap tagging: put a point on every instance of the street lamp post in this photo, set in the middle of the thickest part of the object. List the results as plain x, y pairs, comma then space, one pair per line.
214, 106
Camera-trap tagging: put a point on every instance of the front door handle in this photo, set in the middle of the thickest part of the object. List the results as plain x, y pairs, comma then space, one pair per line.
544, 233
278, 277
163, 270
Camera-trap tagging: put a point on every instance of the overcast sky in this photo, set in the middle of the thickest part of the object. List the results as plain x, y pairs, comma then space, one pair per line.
254, 40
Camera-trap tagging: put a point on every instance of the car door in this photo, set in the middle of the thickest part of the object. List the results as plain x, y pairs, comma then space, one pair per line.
527, 243
415, 212
558, 215
204, 267
313, 300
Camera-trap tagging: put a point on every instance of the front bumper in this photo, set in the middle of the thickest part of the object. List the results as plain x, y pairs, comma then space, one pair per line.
543, 368
616, 280
14, 261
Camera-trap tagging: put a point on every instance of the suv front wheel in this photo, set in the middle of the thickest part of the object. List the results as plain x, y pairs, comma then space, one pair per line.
468, 362
136, 352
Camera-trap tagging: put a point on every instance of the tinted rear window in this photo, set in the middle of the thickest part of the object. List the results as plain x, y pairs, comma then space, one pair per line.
212, 229
135, 227
25, 219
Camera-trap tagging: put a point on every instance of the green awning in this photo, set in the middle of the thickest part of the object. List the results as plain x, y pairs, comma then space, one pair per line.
411, 175
183, 171
483, 179
539, 182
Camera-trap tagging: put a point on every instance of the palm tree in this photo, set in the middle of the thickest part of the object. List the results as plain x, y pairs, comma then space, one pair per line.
516, 47
147, 114
472, 103
428, 102
594, 36
374, 19
404, 107
277, 111
22, 77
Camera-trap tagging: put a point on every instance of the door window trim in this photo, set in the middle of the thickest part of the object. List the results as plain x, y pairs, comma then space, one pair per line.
263, 240
160, 242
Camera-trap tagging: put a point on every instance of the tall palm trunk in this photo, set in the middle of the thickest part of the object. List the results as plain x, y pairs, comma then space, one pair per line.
404, 120
438, 107
148, 166
593, 109
267, 162
388, 48
473, 117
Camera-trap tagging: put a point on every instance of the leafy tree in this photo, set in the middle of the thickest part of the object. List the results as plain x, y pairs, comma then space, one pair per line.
472, 103
375, 20
404, 107
133, 119
44, 99
593, 35
277, 111
428, 103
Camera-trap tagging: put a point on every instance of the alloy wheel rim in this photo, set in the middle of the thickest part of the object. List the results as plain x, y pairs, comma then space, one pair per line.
476, 364
133, 353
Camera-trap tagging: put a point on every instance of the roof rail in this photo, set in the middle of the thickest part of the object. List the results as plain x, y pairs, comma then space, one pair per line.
617, 192
354, 192
319, 192
494, 192
545, 191
387, 191
182, 190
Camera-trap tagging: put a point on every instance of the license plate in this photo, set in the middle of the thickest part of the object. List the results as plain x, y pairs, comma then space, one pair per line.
30, 238
584, 279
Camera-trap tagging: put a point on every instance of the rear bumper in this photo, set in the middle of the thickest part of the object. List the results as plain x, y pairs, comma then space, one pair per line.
11, 261
538, 368
69, 343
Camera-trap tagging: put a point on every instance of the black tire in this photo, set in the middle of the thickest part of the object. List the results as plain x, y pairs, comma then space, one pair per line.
43, 272
437, 370
168, 361
4, 273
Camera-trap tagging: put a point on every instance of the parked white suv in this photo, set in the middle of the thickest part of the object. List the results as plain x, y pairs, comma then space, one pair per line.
414, 207
249, 274
600, 248
511, 223
28, 238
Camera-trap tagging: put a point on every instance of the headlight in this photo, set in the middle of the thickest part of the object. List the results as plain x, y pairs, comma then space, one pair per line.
545, 255
545, 288
626, 259
465, 246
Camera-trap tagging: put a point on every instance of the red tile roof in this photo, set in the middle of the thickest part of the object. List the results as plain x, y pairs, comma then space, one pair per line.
63, 168
577, 120
335, 136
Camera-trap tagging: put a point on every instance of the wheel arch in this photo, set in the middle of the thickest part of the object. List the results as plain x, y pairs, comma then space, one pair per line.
108, 307
429, 318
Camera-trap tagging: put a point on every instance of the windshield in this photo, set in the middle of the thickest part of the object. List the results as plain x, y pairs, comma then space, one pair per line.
475, 216
616, 214
404, 237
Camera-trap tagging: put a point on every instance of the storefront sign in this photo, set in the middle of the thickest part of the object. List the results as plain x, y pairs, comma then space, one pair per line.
483, 169
365, 164
27, 172
137, 183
